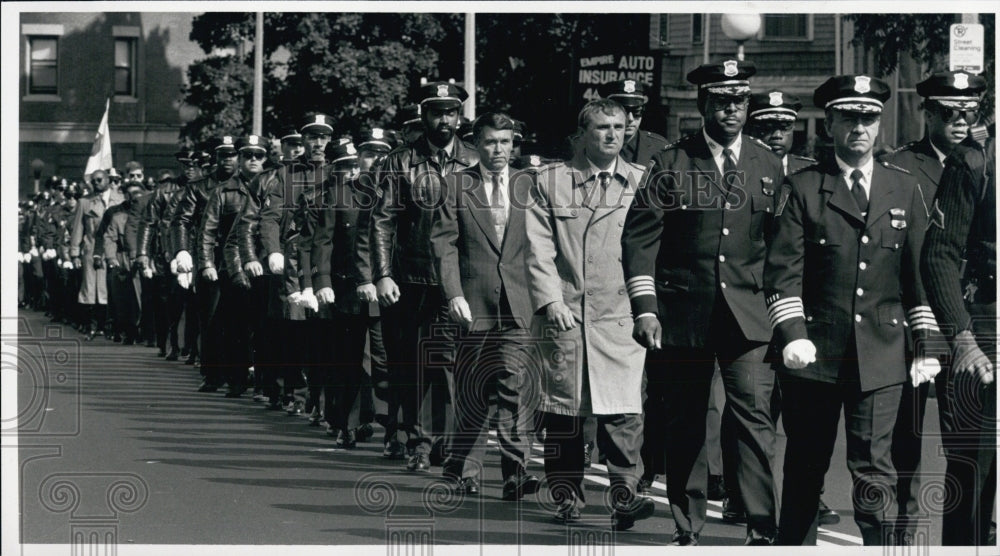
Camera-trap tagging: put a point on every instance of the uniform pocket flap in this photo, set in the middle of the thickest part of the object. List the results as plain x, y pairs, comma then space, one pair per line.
890, 315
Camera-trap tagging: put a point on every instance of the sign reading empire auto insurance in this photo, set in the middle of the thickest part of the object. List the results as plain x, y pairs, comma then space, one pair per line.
594, 71
966, 47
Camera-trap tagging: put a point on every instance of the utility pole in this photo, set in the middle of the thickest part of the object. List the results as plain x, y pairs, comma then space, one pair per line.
470, 65
258, 76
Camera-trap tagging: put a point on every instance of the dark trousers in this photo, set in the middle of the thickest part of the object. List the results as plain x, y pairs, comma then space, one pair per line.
492, 363
147, 309
50, 272
125, 303
619, 438
234, 313
811, 412
166, 310
193, 321
268, 337
344, 366
212, 324
681, 380
970, 440
419, 348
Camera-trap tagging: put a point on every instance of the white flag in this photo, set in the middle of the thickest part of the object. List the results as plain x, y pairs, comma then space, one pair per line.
100, 153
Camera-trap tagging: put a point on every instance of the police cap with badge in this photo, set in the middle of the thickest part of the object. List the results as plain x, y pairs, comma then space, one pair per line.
341, 151
774, 105
729, 78
377, 139
859, 94
227, 146
290, 136
316, 123
949, 92
441, 94
251, 143
627, 92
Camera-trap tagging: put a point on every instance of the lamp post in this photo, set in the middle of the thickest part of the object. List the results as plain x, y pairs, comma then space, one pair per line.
36, 170
740, 27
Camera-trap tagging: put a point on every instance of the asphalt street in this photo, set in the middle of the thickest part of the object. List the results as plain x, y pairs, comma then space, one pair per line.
115, 440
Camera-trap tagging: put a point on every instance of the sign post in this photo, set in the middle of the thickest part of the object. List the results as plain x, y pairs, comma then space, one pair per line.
965, 52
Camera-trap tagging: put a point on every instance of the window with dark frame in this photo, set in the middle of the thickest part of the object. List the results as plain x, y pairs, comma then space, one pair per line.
696, 28
125, 67
43, 72
786, 26
664, 29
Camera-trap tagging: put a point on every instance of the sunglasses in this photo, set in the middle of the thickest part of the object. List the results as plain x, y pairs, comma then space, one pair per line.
950, 115
635, 111
116, 180
135, 175
256, 155
98, 180
723, 101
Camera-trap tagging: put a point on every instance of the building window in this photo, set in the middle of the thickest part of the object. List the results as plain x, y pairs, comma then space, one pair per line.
43, 73
786, 26
696, 28
664, 29
125, 67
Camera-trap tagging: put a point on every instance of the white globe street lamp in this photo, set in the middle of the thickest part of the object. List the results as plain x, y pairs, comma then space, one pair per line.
740, 27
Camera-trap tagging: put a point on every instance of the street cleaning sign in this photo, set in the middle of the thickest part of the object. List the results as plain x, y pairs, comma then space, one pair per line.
594, 71
966, 47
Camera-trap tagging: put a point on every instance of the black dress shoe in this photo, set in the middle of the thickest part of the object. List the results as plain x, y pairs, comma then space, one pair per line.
516, 486
207, 387
117, 339
346, 439
192, 359
716, 488
235, 392
437, 456
161, 353
364, 432
172, 356
568, 512
756, 539
128, 341
644, 485
151, 343
394, 449
419, 462
588, 454
624, 516
185, 351
684, 538
826, 516
733, 511
470, 485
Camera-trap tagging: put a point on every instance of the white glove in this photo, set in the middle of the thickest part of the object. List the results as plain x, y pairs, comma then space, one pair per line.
295, 298
20, 257
309, 300
147, 273
184, 262
799, 353
924, 369
50, 253
173, 266
184, 280
68, 265
276, 263
33, 252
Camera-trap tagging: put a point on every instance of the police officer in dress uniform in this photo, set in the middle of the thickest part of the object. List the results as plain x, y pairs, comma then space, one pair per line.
693, 252
841, 277
950, 107
403, 268
963, 233
640, 145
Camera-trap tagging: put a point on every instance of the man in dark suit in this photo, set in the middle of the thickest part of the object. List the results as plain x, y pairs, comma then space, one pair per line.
479, 244
693, 252
841, 277
951, 104
640, 145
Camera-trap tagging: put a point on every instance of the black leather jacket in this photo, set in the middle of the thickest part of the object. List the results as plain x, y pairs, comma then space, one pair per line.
332, 242
187, 216
225, 205
154, 225
410, 179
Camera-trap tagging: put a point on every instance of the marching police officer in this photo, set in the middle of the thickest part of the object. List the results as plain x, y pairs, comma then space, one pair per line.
964, 227
841, 277
772, 120
950, 107
640, 145
693, 256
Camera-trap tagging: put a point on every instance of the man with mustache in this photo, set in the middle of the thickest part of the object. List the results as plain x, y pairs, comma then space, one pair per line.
693, 251
406, 278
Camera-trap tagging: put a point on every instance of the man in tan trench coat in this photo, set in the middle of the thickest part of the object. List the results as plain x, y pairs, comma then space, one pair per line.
589, 364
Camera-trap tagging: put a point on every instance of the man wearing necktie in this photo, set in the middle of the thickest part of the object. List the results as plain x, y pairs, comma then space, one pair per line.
841, 277
694, 245
588, 364
479, 245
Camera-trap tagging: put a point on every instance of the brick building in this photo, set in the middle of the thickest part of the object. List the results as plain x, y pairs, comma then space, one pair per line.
71, 63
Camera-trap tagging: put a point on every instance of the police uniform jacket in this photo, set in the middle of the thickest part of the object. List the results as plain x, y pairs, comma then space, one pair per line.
153, 230
574, 256
411, 182
333, 242
834, 277
796, 163
187, 216
225, 205
919, 159
643, 147
691, 240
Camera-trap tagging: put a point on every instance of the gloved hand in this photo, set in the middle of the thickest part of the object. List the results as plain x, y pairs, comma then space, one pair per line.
77, 263
924, 369
295, 298
309, 300
799, 353
325, 295
184, 262
33, 252
184, 280
20, 257
276, 263
147, 273
98, 263
68, 265
210, 274
50, 253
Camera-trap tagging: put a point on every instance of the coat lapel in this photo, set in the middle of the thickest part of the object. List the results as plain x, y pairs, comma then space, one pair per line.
618, 195
520, 199
840, 198
928, 160
882, 197
701, 156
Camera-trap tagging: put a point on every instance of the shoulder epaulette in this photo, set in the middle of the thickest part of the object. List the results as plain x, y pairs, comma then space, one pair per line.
679, 142
894, 167
905, 147
806, 158
759, 142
